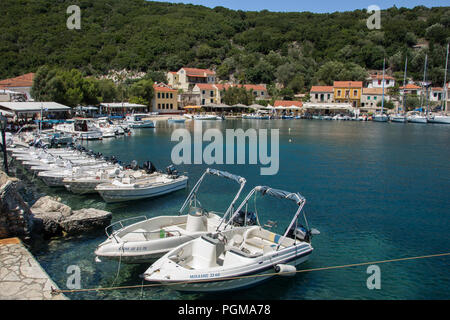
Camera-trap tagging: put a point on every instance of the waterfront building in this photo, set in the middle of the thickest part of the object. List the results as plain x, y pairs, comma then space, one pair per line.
371, 97
321, 94
165, 99
26, 110
122, 108
209, 93
348, 92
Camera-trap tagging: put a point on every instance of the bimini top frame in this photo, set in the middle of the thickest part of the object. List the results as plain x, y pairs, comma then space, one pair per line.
280, 194
223, 174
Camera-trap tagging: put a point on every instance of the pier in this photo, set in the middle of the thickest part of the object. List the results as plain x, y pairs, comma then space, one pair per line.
21, 276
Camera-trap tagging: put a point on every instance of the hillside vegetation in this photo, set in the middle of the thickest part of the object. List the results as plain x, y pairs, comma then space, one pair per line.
295, 49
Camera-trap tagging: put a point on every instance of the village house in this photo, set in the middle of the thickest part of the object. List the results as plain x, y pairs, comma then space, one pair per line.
321, 94
186, 78
22, 84
165, 99
208, 93
371, 97
410, 88
348, 92
376, 81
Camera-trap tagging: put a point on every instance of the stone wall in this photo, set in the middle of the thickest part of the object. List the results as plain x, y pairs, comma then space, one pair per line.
15, 214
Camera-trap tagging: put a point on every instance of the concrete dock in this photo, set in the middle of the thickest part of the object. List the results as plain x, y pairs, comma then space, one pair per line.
21, 276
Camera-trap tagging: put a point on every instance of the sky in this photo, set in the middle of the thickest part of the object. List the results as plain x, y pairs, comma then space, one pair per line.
317, 6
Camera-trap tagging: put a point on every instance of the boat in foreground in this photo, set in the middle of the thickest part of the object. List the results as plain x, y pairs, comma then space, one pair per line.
146, 240
236, 258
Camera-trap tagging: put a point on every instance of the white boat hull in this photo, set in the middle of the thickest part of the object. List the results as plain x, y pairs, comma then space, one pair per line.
132, 193
440, 119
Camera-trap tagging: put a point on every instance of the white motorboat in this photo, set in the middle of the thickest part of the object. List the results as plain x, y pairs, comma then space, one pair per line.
127, 189
380, 118
236, 258
147, 240
417, 118
84, 129
84, 184
439, 119
55, 178
135, 120
206, 117
398, 118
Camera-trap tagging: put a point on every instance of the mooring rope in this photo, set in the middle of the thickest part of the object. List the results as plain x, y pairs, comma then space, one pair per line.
57, 291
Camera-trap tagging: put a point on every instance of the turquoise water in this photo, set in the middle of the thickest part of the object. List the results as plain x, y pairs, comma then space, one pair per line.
375, 191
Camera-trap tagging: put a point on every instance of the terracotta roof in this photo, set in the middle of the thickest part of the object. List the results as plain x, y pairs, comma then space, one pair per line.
380, 77
161, 87
287, 103
410, 86
199, 72
347, 84
206, 86
221, 86
255, 87
321, 89
378, 91
436, 89
25, 80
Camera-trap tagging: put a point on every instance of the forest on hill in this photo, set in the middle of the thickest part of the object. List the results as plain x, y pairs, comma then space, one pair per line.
296, 49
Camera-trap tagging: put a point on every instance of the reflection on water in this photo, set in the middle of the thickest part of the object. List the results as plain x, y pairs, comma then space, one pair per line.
374, 190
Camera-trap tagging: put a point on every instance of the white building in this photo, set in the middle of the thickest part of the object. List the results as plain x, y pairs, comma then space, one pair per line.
376, 81
321, 94
187, 78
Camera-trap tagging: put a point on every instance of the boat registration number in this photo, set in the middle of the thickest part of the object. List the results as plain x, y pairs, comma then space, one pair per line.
204, 275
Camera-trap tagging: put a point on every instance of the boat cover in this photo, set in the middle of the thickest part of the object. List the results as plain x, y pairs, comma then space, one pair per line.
227, 175
296, 197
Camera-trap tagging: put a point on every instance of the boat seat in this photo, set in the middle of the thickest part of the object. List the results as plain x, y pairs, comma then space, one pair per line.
236, 240
244, 254
136, 235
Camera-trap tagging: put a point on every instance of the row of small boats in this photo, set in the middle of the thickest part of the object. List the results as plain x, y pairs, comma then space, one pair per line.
413, 118
200, 249
95, 129
83, 171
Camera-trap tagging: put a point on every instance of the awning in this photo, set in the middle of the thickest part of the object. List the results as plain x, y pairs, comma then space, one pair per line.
192, 107
29, 107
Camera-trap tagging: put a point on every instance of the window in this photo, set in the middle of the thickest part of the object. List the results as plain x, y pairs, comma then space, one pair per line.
203, 101
338, 93
163, 95
368, 97
387, 81
262, 93
211, 93
347, 93
171, 96
379, 82
355, 93
159, 95
159, 105
329, 96
203, 91
317, 96
375, 97
212, 100
171, 106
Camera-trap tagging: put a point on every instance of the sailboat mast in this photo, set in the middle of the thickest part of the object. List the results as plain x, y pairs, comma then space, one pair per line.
444, 94
404, 84
423, 82
382, 98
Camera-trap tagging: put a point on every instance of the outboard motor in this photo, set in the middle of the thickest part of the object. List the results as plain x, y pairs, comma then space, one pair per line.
149, 167
300, 233
171, 171
240, 220
134, 165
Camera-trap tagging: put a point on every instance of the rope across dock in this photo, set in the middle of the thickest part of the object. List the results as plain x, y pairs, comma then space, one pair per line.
55, 291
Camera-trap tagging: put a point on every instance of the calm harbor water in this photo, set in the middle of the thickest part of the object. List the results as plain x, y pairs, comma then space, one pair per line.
375, 191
